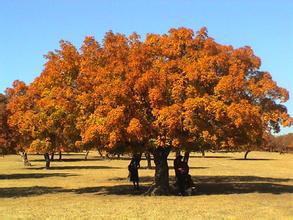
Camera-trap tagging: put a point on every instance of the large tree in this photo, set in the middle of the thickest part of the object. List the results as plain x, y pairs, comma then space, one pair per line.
183, 91
45, 111
19, 115
176, 91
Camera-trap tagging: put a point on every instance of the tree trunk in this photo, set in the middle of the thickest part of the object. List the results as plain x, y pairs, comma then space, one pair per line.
47, 160
149, 160
52, 156
203, 153
25, 159
100, 152
86, 155
60, 155
245, 155
161, 181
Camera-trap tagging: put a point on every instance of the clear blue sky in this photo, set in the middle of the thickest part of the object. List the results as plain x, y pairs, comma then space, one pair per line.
31, 28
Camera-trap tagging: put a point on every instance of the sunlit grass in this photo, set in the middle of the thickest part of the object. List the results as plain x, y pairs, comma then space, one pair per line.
97, 189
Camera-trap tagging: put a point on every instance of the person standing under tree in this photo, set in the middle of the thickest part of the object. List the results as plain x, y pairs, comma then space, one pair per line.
133, 172
176, 164
181, 176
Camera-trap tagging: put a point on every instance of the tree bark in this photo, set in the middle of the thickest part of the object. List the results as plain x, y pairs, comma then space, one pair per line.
60, 155
203, 153
47, 160
245, 155
25, 159
161, 180
149, 160
86, 155
100, 152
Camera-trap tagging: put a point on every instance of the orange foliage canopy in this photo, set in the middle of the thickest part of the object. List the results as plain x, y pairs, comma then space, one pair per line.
178, 89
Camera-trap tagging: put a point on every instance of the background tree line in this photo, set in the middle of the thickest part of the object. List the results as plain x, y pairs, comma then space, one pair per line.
282, 143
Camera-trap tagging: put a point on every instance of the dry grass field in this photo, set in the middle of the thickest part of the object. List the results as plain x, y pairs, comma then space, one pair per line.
228, 188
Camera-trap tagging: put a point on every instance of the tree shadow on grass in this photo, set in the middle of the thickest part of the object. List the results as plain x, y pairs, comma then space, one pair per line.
237, 179
242, 188
33, 175
114, 190
209, 157
216, 185
213, 185
201, 189
142, 179
75, 168
216, 179
69, 160
205, 185
254, 159
13, 192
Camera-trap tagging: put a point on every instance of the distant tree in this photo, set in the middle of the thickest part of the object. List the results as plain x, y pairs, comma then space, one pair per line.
19, 117
283, 143
46, 110
5, 143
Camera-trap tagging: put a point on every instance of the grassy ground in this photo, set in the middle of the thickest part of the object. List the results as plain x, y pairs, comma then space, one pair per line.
228, 188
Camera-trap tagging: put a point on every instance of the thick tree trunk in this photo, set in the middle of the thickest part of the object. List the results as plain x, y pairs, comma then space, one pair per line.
245, 155
86, 155
52, 156
149, 160
25, 159
161, 181
60, 155
47, 160
203, 153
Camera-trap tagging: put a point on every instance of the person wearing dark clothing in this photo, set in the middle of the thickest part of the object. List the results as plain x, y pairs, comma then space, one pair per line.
182, 174
133, 172
189, 186
176, 165
183, 179
180, 170
185, 168
186, 157
137, 158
